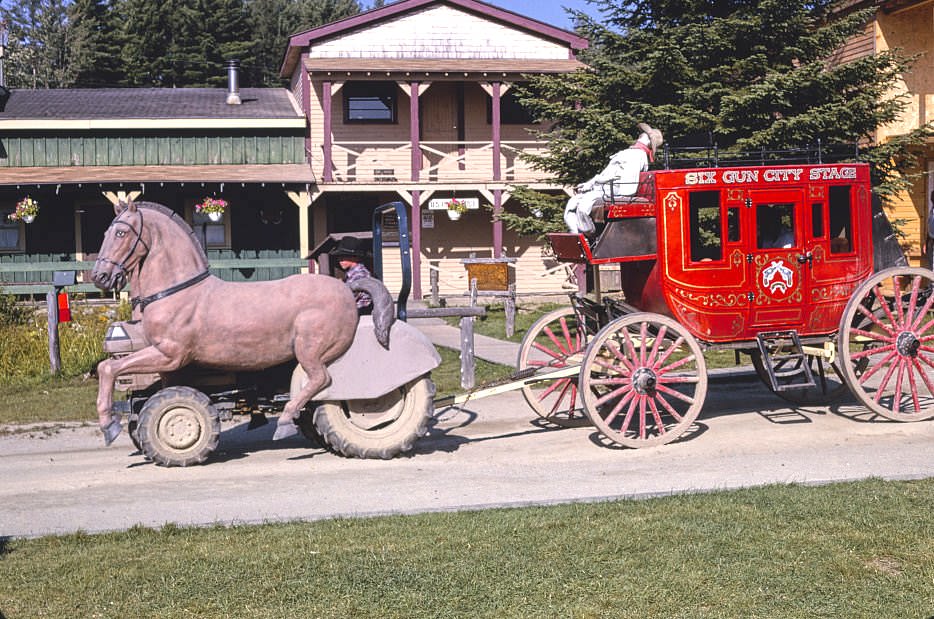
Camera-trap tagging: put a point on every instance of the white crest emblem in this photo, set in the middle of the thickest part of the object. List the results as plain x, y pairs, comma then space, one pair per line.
778, 277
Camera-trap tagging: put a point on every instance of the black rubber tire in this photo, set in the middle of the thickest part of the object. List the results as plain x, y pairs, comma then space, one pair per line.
178, 426
306, 425
381, 428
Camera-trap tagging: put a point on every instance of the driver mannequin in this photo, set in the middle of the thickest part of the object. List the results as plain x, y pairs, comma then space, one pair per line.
622, 172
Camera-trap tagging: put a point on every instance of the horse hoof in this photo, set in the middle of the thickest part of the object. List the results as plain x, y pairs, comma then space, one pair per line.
112, 430
285, 430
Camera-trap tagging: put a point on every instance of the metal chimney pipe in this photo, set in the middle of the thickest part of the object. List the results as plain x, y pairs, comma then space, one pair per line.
233, 82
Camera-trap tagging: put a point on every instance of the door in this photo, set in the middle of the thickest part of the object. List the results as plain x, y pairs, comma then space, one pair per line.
776, 260
439, 130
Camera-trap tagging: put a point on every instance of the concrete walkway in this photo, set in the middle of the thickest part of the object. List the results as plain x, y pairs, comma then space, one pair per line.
487, 348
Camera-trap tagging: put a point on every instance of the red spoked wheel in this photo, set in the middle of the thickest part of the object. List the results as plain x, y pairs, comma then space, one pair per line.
556, 340
886, 344
643, 380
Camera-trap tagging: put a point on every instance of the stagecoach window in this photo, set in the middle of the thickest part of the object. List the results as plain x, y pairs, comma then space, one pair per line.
817, 220
370, 102
841, 220
775, 224
732, 225
10, 233
706, 226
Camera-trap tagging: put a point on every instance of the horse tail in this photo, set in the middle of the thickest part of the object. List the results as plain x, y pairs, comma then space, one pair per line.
383, 307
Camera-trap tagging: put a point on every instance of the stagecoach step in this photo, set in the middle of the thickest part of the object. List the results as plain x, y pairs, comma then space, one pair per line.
784, 360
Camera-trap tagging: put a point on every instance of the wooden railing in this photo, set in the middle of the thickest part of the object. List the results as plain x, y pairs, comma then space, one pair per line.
391, 161
21, 277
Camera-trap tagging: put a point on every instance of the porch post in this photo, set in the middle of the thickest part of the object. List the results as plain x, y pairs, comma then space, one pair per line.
497, 223
326, 145
416, 160
306, 98
302, 199
416, 222
497, 172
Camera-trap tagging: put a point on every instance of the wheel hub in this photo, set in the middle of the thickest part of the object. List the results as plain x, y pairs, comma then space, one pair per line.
179, 428
907, 344
643, 381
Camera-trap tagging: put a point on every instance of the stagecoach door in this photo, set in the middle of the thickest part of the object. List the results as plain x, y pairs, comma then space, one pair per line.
777, 271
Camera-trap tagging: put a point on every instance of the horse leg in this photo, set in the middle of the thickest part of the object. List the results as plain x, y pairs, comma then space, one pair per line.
318, 379
149, 359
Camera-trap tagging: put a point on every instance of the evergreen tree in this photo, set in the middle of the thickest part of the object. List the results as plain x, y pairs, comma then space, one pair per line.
180, 43
273, 21
95, 44
741, 74
37, 51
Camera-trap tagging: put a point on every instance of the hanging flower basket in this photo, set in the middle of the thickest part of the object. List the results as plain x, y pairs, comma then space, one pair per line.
456, 208
212, 207
26, 211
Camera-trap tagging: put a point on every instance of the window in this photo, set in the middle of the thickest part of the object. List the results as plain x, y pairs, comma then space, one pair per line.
706, 226
511, 111
817, 220
775, 224
370, 102
211, 234
11, 233
841, 226
732, 224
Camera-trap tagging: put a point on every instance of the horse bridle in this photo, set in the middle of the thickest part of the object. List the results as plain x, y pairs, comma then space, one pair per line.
122, 265
142, 302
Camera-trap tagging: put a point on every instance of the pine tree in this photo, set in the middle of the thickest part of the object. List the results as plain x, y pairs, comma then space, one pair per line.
273, 21
37, 52
94, 44
741, 74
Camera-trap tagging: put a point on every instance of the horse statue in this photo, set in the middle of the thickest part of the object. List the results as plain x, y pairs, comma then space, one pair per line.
190, 316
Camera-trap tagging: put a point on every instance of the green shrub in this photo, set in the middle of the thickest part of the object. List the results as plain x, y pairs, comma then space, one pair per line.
25, 352
10, 312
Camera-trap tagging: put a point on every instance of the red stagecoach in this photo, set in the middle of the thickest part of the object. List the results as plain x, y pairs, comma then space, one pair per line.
790, 264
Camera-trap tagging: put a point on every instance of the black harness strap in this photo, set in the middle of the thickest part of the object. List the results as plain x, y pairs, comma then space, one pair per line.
144, 301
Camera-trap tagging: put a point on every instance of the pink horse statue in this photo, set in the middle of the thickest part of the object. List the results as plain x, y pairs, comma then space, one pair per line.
190, 316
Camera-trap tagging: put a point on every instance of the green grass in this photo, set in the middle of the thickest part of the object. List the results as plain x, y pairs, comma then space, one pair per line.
850, 550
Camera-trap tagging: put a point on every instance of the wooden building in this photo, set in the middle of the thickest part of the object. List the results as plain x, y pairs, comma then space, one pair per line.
414, 101
77, 152
907, 25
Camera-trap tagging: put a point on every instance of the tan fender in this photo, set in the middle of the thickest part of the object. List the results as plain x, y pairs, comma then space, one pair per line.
367, 370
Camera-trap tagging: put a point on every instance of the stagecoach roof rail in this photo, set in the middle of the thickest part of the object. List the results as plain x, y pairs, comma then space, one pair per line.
710, 156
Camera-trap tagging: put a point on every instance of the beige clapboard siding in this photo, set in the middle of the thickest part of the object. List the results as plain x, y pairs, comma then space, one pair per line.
445, 245
439, 32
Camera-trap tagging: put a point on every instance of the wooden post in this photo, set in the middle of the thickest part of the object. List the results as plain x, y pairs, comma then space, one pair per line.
511, 311
473, 292
55, 357
433, 281
468, 363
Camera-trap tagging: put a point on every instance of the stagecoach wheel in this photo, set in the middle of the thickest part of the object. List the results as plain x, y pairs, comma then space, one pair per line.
555, 341
826, 390
643, 380
178, 426
380, 427
886, 344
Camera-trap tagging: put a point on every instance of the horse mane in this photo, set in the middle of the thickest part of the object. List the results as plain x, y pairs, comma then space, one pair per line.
177, 219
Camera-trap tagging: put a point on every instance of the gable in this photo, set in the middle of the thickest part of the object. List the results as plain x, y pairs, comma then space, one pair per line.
439, 31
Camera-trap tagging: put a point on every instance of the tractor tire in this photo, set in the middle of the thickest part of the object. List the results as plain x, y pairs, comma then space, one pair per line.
178, 426
380, 428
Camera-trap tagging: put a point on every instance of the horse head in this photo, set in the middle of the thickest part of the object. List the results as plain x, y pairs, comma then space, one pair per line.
122, 250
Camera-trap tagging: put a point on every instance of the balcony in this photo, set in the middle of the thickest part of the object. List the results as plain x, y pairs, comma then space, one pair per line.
461, 162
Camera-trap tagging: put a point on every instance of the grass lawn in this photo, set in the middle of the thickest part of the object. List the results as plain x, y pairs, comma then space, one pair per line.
861, 549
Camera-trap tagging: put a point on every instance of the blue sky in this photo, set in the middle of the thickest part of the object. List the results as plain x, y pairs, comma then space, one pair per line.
548, 11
